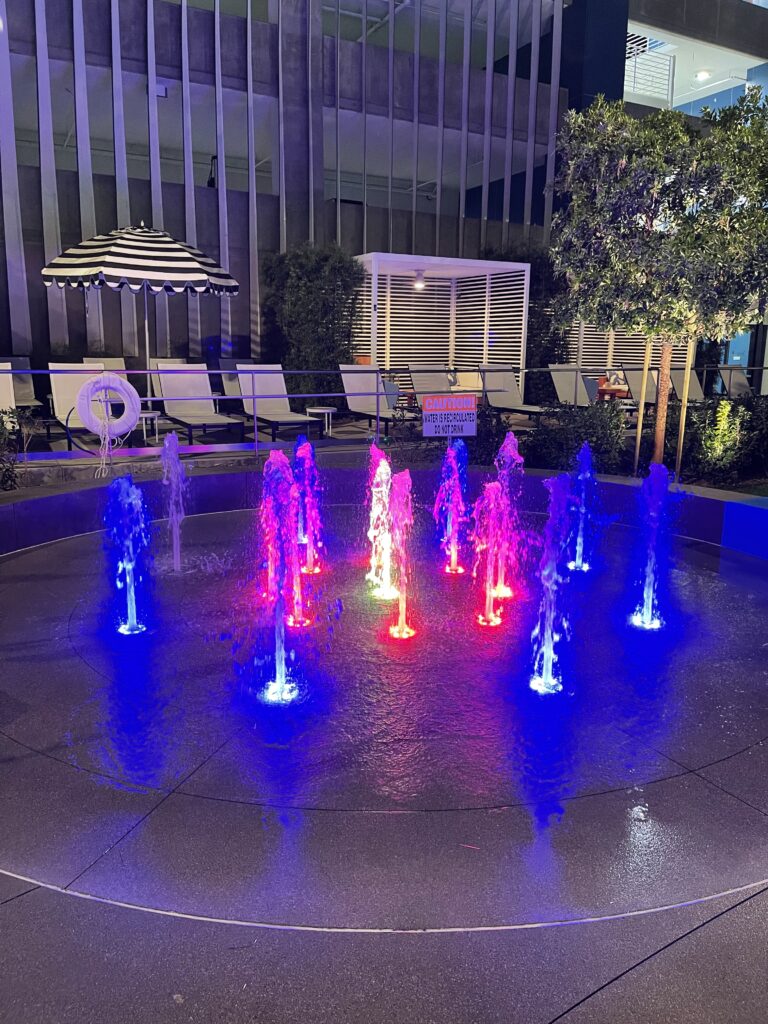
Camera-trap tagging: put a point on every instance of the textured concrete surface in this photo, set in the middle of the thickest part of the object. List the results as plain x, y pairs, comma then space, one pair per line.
414, 787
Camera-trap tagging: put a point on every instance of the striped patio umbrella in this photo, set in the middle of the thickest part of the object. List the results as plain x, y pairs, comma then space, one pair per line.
142, 260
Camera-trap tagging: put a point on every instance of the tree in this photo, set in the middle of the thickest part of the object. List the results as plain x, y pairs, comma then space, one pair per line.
650, 236
309, 311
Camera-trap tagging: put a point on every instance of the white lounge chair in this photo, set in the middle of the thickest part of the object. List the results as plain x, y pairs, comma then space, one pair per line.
188, 401
361, 384
157, 391
270, 404
736, 381
22, 383
571, 384
502, 391
64, 391
230, 381
468, 380
7, 394
695, 394
634, 381
115, 364
429, 379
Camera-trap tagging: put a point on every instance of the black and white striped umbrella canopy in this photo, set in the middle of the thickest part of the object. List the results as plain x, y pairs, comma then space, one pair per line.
139, 258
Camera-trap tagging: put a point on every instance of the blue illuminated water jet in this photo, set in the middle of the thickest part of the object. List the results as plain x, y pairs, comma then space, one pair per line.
654, 496
552, 623
127, 537
585, 495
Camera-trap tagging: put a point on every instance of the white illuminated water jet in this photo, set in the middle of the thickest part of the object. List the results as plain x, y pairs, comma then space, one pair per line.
380, 526
174, 478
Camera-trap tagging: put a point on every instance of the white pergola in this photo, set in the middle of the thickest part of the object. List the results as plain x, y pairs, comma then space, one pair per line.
467, 313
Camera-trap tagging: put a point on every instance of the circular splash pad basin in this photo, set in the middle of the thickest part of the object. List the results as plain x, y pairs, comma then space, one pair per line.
412, 785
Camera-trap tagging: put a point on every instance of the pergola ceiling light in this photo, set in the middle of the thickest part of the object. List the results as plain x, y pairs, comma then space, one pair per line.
702, 76
419, 283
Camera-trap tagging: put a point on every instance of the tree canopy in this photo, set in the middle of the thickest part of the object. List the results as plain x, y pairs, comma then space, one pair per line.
660, 234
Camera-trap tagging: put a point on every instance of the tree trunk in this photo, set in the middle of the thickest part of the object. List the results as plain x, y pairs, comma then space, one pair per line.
662, 401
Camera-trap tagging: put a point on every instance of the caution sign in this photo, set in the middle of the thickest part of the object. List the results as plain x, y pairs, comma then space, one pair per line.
449, 416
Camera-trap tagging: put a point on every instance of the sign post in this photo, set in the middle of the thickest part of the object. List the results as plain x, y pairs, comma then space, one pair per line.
449, 416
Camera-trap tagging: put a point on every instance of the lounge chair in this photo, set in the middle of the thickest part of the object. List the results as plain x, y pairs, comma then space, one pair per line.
429, 379
188, 401
634, 380
115, 364
157, 390
22, 383
468, 380
361, 383
571, 384
230, 381
7, 394
736, 382
677, 378
270, 404
502, 391
64, 391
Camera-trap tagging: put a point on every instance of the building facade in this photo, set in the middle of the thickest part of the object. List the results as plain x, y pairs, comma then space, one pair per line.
250, 126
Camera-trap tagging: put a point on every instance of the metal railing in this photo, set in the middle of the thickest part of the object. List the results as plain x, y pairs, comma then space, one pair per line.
710, 376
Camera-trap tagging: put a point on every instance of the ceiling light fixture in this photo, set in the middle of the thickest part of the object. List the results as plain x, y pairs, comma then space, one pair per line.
419, 282
702, 76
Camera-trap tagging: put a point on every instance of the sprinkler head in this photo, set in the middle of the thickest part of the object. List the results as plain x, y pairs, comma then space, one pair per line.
128, 630
310, 572
494, 620
386, 593
296, 623
280, 693
454, 570
584, 567
401, 634
636, 619
545, 686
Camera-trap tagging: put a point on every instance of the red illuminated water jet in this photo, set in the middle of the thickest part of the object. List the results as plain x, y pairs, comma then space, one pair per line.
401, 510
489, 548
509, 469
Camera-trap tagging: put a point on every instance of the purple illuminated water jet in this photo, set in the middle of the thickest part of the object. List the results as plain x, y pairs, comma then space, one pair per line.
489, 548
449, 509
380, 525
310, 527
280, 520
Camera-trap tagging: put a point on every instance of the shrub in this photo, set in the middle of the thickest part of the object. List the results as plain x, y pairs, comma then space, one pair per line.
9, 450
309, 309
557, 437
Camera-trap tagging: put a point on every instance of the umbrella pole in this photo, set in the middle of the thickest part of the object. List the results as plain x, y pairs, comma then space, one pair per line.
146, 348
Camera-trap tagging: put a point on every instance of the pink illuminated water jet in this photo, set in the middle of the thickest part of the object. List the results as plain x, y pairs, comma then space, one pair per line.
449, 511
509, 468
489, 548
310, 526
401, 511
280, 521
380, 525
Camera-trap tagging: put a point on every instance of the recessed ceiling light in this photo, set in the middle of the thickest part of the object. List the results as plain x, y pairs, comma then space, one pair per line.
702, 76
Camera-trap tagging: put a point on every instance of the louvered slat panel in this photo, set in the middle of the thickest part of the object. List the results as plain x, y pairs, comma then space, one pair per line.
507, 319
470, 323
414, 326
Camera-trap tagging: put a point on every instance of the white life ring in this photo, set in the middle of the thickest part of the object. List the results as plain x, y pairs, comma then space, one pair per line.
101, 385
